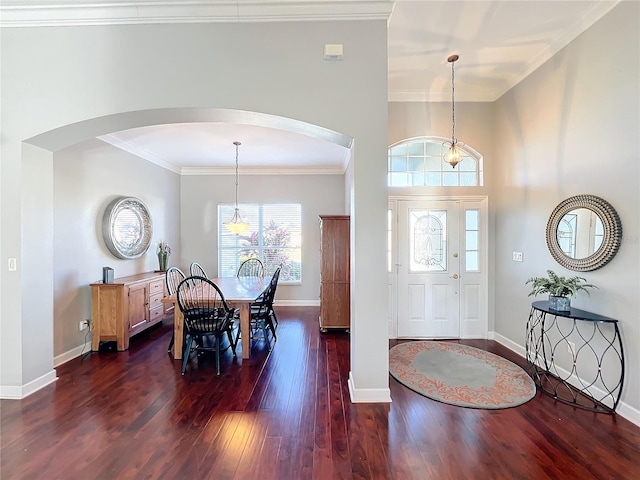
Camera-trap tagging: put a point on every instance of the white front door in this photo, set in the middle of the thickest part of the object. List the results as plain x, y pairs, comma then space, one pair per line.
428, 269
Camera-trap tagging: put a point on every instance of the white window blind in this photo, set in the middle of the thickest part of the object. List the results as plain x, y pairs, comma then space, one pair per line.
274, 236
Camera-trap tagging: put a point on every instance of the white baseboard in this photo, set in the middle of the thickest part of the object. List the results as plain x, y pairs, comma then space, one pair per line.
513, 346
628, 412
71, 354
18, 392
624, 410
296, 303
368, 395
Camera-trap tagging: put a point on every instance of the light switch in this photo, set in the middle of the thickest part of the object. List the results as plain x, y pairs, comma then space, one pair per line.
13, 265
517, 256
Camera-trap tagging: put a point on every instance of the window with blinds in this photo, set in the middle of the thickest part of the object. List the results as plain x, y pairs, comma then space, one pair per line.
274, 236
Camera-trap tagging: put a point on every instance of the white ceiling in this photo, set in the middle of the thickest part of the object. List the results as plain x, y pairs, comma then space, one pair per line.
499, 43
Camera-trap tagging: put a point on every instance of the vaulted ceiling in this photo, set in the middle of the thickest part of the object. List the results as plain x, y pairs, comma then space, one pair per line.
499, 43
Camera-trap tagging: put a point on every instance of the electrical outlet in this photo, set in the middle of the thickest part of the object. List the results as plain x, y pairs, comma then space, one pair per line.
83, 325
517, 256
571, 348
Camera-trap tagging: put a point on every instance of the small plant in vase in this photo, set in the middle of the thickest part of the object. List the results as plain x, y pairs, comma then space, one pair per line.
163, 251
560, 289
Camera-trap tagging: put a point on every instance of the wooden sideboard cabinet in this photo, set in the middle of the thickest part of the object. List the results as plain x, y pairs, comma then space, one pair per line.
125, 307
334, 272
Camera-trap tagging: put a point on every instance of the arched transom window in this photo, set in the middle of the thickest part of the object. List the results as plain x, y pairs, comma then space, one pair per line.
417, 162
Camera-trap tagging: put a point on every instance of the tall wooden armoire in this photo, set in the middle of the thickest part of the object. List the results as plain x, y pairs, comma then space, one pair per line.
334, 272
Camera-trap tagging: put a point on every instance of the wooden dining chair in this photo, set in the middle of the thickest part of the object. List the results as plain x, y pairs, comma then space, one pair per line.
261, 319
207, 317
261, 311
173, 277
196, 270
251, 267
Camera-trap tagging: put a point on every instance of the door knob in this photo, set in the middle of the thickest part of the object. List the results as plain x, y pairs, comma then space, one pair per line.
455, 276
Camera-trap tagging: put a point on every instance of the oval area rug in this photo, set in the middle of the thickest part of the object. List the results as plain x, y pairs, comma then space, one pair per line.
460, 375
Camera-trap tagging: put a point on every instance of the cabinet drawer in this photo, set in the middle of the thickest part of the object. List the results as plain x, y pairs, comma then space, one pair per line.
156, 286
155, 300
156, 313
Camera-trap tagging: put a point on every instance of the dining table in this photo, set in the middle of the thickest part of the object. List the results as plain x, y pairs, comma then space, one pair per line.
238, 292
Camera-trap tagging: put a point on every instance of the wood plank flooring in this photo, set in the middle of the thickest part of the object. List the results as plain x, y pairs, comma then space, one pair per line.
287, 415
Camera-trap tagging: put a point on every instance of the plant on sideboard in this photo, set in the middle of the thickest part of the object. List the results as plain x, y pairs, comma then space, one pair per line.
560, 289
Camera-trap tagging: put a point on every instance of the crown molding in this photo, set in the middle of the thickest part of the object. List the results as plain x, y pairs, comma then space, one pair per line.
116, 141
187, 171
51, 13
133, 149
421, 96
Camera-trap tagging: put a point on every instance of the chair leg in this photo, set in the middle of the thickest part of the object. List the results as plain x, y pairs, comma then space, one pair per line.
266, 336
272, 313
185, 354
173, 339
271, 327
232, 343
238, 332
217, 344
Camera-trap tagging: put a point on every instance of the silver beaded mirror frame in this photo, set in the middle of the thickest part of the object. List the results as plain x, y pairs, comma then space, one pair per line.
127, 228
611, 233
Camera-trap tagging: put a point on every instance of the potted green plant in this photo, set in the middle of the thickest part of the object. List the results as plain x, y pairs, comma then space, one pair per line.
560, 289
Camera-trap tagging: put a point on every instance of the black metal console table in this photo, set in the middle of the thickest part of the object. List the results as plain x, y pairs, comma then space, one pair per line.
558, 343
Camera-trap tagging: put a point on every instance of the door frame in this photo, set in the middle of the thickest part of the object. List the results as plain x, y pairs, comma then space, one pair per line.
475, 329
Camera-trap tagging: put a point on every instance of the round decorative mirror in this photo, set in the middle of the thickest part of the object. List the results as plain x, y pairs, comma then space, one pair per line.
584, 233
126, 227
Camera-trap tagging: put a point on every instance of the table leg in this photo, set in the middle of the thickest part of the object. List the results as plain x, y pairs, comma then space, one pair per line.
178, 321
245, 314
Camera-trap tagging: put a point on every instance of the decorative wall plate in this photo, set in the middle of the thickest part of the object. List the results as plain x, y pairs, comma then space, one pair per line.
127, 228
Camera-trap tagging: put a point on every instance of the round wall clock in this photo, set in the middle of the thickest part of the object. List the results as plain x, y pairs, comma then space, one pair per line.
126, 227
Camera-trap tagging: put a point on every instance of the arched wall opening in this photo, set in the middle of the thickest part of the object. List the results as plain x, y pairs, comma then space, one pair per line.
274, 67
39, 152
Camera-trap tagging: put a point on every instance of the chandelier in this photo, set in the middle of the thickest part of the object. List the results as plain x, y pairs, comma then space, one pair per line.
454, 152
237, 224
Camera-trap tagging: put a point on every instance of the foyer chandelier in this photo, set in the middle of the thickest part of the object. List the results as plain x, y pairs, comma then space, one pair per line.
237, 224
454, 153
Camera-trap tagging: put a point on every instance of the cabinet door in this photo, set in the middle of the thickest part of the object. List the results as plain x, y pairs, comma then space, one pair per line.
334, 305
335, 250
138, 307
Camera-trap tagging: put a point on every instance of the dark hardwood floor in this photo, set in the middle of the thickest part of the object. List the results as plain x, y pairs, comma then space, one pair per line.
287, 415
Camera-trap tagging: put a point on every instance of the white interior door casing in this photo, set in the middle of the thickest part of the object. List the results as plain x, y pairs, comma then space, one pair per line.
437, 279
392, 269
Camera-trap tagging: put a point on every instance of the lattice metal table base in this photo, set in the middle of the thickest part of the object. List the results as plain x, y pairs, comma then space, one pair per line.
576, 357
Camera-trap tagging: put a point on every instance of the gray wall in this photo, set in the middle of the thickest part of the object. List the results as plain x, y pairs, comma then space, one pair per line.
317, 194
86, 177
572, 128
65, 85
